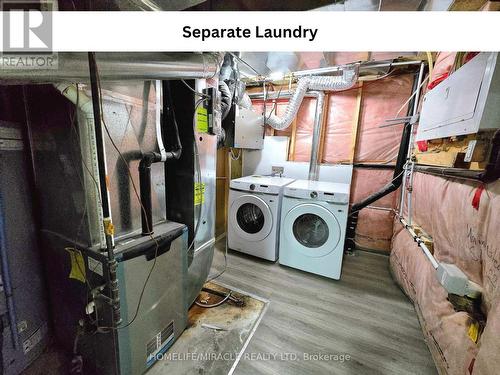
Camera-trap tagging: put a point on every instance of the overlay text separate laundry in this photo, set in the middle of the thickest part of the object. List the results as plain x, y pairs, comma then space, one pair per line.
258, 32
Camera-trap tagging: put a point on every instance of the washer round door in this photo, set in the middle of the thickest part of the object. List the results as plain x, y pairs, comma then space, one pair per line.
311, 229
251, 217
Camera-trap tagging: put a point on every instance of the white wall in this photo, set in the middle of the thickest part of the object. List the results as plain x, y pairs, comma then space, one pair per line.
275, 153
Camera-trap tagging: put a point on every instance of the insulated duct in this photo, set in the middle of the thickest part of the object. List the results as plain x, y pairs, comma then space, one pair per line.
226, 99
341, 82
118, 66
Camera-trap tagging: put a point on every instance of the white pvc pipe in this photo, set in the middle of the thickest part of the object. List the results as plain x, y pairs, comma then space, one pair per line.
420, 243
159, 139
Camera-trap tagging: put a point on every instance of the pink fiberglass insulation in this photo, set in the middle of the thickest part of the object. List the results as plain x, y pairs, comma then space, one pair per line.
338, 132
368, 181
464, 236
305, 123
374, 230
442, 66
380, 102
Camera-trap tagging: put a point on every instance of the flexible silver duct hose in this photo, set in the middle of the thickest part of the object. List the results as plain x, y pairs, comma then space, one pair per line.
226, 98
319, 83
245, 101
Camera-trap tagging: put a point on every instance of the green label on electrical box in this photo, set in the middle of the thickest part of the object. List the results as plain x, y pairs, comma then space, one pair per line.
199, 193
202, 120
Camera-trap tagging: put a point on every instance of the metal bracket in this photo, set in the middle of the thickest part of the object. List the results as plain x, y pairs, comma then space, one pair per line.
401, 120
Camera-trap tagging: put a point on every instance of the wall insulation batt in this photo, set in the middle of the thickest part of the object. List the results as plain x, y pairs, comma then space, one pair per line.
468, 238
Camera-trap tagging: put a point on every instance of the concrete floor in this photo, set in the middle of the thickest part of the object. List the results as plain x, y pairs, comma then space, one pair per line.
364, 316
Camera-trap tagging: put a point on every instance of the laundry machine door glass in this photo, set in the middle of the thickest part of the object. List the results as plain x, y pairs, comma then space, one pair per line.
311, 230
251, 218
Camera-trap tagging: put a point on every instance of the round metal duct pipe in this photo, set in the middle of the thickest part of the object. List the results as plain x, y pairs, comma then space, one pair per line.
119, 66
318, 122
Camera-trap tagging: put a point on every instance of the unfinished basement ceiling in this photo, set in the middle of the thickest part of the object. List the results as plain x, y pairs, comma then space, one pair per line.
266, 63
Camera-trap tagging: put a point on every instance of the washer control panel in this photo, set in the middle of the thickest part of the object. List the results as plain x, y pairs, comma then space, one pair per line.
318, 195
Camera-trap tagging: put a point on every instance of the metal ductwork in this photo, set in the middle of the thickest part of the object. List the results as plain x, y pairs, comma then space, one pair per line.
318, 121
119, 66
341, 82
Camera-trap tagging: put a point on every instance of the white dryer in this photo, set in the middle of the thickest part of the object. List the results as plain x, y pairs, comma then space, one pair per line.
313, 226
254, 215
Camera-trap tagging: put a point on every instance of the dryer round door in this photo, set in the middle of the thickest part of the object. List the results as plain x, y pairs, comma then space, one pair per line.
311, 229
251, 217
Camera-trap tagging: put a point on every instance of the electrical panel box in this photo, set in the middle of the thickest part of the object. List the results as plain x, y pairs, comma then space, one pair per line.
248, 129
464, 103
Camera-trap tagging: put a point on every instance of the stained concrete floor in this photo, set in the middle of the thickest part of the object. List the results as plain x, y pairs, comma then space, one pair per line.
362, 324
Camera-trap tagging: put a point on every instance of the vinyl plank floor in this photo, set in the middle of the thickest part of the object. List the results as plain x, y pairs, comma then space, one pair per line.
362, 324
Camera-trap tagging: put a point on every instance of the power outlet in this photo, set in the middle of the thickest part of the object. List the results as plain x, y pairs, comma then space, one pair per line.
277, 170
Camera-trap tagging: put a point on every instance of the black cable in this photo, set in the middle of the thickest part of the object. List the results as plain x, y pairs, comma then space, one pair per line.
275, 107
141, 295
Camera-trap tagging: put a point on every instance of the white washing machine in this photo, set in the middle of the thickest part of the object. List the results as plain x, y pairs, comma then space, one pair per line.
254, 215
313, 226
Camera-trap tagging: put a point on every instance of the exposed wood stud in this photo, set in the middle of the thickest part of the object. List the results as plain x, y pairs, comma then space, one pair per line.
356, 123
293, 140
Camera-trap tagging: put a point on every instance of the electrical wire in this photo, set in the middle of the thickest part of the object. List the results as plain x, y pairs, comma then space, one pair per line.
141, 295
378, 78
222, 301
194, 91
275, 106
232, 154
412, 95
211, 278
244, 62
104, 329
